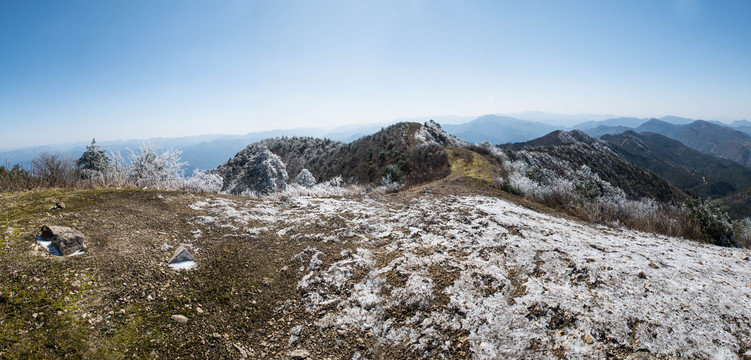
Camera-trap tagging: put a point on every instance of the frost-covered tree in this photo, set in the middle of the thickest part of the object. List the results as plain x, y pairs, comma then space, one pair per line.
264, 173
151, 169
305, 179
713, 223
203, 182
93, 162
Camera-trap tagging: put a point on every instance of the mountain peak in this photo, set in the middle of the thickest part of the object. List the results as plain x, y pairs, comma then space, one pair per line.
560, 137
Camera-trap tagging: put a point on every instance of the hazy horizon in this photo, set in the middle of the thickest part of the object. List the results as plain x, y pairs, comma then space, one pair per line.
564, 121
78, 70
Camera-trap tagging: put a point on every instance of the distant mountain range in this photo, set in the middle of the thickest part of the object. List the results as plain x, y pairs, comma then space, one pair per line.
690, 170
730, 141
498, 130
203, 152
711, 138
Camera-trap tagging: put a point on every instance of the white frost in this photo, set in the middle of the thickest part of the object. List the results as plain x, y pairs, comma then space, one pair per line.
512, 282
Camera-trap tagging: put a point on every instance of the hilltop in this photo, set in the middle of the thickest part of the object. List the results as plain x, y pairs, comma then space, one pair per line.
450, 269
523, 251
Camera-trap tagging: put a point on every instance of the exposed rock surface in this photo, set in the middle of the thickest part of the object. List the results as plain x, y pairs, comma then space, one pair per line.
66, 240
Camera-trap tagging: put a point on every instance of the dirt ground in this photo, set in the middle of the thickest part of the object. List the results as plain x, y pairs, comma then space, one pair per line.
117, 300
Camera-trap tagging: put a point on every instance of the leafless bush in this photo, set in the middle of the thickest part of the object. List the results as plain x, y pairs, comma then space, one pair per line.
53, 169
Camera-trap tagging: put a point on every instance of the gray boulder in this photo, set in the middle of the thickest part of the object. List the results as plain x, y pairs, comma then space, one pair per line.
66, 240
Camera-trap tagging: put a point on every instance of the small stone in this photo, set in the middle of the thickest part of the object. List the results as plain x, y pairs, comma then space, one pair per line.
243, 352
60, 205
149, 298
299, 354
180, 318
268, 281
199, 310
180, 255
745, 258
588, 339
641, 275
76, 284
122, 311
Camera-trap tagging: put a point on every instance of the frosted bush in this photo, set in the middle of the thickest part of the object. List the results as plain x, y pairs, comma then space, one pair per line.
305, 179
203, 182
152, 169
332, 187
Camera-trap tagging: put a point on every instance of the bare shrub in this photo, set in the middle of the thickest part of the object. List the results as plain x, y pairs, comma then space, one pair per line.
53, 169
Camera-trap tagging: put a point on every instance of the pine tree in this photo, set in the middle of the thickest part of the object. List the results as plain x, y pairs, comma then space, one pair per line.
94, 161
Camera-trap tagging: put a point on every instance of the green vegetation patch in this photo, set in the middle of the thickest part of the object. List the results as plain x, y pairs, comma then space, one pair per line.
469, 164
41, 316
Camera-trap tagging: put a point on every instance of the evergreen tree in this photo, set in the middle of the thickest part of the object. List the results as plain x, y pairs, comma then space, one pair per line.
93, 161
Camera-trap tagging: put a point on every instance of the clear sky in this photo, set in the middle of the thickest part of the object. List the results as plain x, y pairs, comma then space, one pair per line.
72, 70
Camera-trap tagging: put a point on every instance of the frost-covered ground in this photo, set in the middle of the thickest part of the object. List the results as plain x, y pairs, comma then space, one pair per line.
439, 274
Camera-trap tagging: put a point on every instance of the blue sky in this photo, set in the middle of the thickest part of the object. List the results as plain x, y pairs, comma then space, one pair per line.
73, 70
